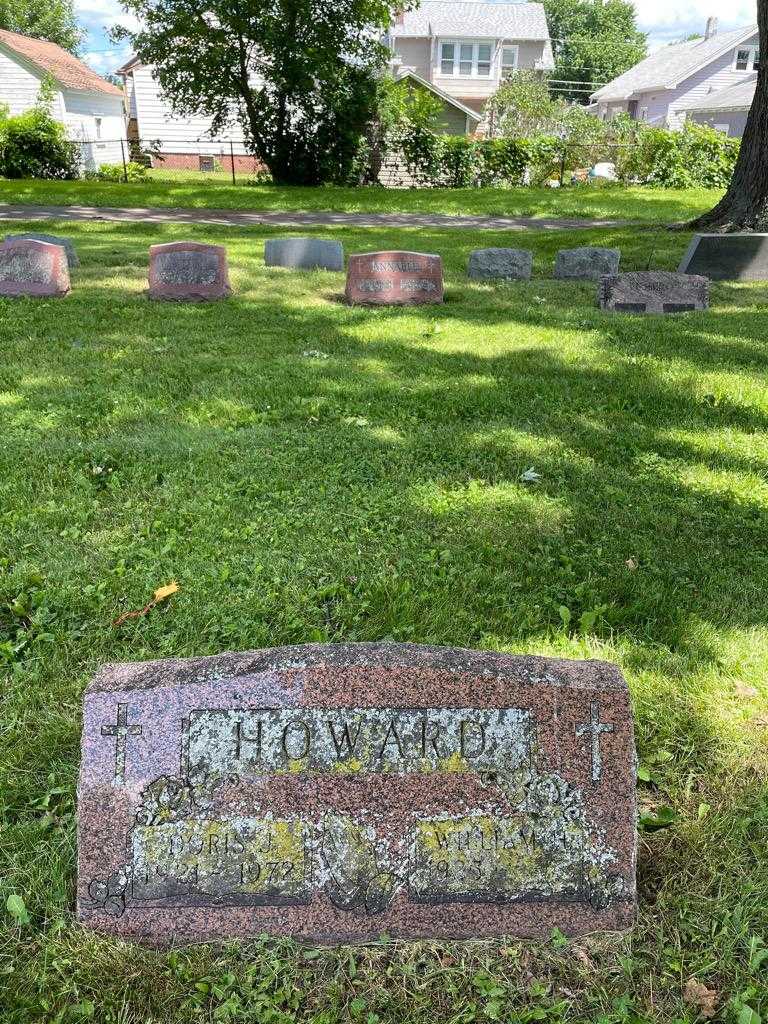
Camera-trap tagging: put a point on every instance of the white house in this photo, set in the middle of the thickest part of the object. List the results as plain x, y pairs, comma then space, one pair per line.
463, 50
185, 142
676, 79
90, 107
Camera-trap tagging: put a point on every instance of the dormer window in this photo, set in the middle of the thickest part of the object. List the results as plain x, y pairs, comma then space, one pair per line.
747, 58
465, 59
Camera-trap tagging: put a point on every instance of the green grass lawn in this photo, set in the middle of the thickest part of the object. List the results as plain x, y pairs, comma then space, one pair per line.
311, 472
589, 201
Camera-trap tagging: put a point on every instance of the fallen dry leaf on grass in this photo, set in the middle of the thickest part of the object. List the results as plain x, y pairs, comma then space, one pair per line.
164, 592
161, 594
703, 998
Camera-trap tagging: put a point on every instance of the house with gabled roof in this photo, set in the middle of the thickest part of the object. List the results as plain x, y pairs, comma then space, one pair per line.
662, 88
463, 49
725, 109
90, 107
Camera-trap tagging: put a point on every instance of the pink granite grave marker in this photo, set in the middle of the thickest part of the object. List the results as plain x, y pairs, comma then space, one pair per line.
333, 793
33, 268
188, 271
394, 279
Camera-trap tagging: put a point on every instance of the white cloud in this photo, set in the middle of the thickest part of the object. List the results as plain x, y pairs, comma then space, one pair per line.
668, 20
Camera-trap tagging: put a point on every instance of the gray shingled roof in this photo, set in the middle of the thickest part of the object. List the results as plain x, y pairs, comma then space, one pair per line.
478, 20
672, 64
735, 97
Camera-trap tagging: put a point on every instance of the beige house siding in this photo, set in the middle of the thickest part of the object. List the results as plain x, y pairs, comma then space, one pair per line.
423, 57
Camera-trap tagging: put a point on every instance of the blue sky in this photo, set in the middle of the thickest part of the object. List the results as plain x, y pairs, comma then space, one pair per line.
663, 20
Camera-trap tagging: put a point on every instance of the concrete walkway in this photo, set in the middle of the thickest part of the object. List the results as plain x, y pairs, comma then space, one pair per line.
256, 218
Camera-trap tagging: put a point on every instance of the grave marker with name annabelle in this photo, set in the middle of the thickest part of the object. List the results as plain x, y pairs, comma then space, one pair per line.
333, 793
394, 279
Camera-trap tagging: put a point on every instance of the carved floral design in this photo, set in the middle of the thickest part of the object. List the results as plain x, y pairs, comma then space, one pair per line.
108, 894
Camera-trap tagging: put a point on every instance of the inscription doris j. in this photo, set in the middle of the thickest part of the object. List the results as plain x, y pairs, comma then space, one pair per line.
297, 792
395, 278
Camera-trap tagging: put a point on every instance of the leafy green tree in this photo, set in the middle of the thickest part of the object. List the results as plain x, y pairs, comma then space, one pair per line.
298, 75
53, 20
593, 42
523, 107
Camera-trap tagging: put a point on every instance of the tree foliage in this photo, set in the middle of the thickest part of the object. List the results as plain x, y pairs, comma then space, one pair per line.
298, 75
593, 42
53, 20
34, 145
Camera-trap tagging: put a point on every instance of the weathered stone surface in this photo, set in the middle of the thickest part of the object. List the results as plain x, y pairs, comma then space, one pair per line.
67, 243
337, 792
188, 270
304, 253
653, 291
587, 263
33, 268
394, 279
736, 257
500, 265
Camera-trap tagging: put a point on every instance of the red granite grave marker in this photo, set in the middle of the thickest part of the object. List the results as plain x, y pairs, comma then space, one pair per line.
394, 279
188, 271
333, 793
33, 268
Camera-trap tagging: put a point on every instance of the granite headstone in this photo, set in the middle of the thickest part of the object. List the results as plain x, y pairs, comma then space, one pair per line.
37, 236
587, 263
500, 265
653, 291
304, 253
334, 793
33, 268
738, 257
394, 279
188, 271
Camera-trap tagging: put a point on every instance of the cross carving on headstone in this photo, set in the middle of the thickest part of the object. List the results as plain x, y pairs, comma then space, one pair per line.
120, 731
594, 728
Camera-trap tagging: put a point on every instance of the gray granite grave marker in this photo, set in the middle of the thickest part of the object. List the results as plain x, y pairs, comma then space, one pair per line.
500, 265
587, 263
740, 256
304, 253
653, 291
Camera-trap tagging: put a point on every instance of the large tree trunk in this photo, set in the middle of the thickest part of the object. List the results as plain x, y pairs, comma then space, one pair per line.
745, 205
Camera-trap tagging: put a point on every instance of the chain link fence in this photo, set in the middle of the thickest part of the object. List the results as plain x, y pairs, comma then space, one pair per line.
216, 161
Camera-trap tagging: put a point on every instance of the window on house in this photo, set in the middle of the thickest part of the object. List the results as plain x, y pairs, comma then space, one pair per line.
747, 58
97, 123
466, 59
447, 58
207, 164
508, 61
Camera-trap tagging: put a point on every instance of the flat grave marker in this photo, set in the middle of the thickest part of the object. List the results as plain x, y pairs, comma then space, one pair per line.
188, 271
587, 263
394, 279
29, 267
304, 253
653, 291
740, 256
39, 236
332, 793
500, 265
